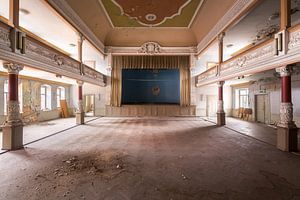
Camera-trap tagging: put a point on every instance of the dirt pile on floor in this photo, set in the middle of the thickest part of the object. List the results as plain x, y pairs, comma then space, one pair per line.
107, 164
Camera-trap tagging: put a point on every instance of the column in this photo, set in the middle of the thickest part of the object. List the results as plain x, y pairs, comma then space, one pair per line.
287, 129
79, 44
285, 14
14, 12
220, 44
80, 110
12, 137
220, 112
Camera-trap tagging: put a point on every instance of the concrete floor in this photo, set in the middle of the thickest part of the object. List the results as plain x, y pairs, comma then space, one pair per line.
259, 131
149, 158
40, 130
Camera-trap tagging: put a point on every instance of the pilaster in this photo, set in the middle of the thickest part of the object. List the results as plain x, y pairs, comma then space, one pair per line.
286, 128
220, 112
80, 110
13, 125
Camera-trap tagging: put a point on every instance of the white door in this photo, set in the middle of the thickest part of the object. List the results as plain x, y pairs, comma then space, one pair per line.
211, 105
260, 108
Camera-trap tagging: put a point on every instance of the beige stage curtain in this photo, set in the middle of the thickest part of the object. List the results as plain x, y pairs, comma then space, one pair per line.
150, 62
185, 86
116, 83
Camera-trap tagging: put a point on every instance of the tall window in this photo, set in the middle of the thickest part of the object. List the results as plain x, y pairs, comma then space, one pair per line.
60, 95
242, 98
6, 96
45, 97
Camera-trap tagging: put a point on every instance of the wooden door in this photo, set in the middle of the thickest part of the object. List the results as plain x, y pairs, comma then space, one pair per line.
260, 108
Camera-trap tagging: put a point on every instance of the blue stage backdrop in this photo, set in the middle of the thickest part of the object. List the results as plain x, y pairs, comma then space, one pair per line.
150, 86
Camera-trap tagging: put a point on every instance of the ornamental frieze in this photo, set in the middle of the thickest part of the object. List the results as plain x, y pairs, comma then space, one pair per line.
294, 40
243, 61
4, 38
51, 57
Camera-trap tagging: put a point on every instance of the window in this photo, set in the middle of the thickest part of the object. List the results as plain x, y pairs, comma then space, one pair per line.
60, 95
45, 97
20, 93
242, 98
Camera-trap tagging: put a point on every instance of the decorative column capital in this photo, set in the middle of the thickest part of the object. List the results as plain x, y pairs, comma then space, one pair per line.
284, 71
13, 68
221, 83
221, 37
81, 38
79, 83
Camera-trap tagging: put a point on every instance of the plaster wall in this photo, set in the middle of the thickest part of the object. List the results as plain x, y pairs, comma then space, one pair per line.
31, 98
272, 89
200, 98
89, 89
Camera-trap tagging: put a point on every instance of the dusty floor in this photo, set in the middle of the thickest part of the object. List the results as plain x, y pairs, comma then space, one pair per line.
149, 158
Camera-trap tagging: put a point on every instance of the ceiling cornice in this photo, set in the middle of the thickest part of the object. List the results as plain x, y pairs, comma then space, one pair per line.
239, 7
71, 16
162, 50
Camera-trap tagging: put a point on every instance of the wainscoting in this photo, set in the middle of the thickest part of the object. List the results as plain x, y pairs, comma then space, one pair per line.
150, 110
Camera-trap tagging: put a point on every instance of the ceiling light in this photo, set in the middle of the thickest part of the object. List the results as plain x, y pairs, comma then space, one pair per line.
72, 45
229, 45
24, 11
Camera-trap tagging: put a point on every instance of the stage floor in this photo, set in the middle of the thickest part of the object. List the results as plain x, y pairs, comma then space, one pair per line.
150, 110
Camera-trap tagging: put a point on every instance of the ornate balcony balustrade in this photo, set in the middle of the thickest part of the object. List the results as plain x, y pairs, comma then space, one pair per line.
41, 56
257, 59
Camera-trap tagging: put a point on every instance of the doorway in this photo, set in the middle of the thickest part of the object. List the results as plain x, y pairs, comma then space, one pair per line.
211, 105
261, 108
89, 105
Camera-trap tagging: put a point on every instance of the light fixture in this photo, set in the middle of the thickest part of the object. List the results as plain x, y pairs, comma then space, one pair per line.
72, 45
24, 11
229, 45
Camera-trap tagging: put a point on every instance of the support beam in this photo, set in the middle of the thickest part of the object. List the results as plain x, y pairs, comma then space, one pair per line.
287, 129
13, 125
220, 112
220, 44
285, 14
80, 110
14, 7
79, 44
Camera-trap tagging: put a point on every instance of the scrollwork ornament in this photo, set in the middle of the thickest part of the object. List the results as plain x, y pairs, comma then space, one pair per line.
13, 113
150, 48
286, 115
13, 68
284, 71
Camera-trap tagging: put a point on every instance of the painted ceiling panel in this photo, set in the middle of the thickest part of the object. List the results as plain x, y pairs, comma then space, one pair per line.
153, 13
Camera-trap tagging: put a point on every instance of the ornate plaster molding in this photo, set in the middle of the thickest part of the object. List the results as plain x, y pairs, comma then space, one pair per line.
286, 115
284, 71
5, 42
220, 83
67, 12
79, 83
236, 10
13, 68
155, 47
13, 114
150, 48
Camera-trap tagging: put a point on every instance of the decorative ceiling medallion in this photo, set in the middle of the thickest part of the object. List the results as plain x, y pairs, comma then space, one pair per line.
161, 10
150, 48
151, 13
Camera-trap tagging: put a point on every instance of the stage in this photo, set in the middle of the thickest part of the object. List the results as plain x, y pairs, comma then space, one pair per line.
150, 110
